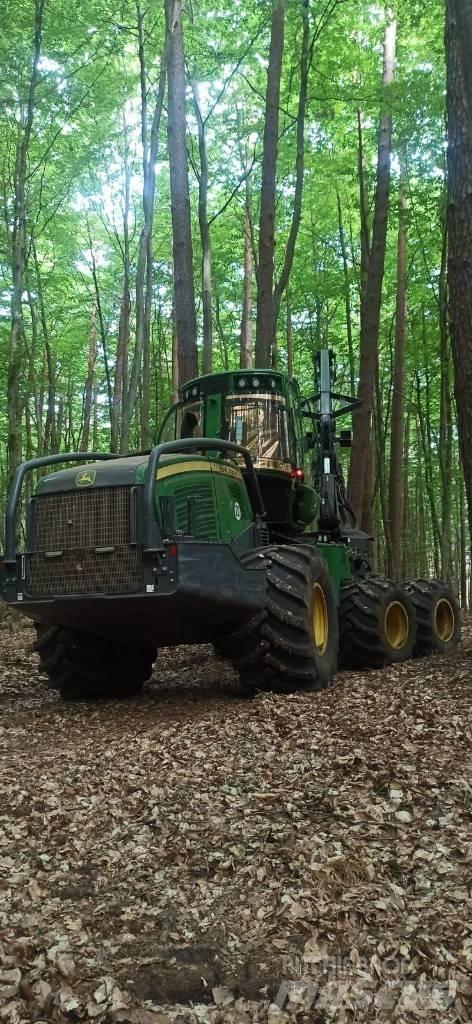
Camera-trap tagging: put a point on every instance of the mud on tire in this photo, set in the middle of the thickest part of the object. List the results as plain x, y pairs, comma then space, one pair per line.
293, 644
80, 665
438, 616
377, 623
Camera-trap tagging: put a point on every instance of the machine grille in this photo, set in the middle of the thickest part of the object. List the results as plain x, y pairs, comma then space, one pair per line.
205, 518
79, 542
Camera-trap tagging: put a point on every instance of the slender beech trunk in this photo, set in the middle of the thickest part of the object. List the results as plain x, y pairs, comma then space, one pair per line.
95, 420
424, 427
407, 570
245, 350
395, 486
445, 416
364, 214
34, 386
184, 292
140, 367
463, 545
51, 439
289, 333
175, 358
459, 219
89, 383
347, 294
120, 381
221, 334
19, 250
265, 268
306, 54
206, 271
358, 487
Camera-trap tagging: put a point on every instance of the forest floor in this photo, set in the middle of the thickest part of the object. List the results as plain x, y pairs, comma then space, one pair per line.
189, 857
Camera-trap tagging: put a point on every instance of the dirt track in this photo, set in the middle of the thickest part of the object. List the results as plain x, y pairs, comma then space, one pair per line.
180, 856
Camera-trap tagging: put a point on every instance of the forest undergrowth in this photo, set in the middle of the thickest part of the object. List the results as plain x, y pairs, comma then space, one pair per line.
191, 857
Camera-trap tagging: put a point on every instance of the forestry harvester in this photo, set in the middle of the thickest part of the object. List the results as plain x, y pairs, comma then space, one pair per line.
235, 529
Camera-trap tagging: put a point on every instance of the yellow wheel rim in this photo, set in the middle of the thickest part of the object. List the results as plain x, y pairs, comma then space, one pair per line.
320, 619
396, 625
444, 619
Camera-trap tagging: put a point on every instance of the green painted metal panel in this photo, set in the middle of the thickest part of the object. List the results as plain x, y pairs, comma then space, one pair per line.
235, 512
337, 560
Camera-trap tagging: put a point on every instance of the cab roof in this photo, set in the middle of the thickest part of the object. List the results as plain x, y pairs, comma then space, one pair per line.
237, 382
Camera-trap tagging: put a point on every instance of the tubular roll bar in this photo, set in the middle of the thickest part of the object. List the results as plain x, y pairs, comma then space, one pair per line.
17, 483
151, 528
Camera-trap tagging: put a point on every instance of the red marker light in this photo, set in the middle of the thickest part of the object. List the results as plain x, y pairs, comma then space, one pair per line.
297, 474
172, 549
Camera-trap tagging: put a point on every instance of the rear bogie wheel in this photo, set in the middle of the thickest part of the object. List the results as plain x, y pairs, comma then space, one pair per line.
293, 643
377, 623
438, 616
80, 665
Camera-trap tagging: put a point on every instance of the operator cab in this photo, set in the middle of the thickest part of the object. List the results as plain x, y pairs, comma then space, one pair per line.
260, 410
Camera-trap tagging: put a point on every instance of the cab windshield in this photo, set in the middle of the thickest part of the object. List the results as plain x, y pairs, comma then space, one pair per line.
259, 423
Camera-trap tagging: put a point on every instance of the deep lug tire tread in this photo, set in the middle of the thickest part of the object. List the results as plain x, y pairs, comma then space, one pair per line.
424, 595
363, 643
275, 650
81, 666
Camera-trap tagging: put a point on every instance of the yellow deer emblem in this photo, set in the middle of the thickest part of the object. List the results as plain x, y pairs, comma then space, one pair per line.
85, 477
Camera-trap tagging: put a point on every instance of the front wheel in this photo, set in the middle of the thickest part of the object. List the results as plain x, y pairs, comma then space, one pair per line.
293, 644
81, 666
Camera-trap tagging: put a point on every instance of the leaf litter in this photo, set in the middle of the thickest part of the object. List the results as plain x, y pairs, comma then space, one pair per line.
187, 857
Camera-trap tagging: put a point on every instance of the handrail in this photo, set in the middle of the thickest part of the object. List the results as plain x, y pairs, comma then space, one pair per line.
17, 483
151, 531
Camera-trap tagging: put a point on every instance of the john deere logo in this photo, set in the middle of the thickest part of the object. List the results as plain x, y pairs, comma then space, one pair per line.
85, 477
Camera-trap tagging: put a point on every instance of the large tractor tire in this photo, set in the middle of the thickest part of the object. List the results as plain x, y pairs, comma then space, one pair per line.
293, 644
81, 666
377, 623
438, 616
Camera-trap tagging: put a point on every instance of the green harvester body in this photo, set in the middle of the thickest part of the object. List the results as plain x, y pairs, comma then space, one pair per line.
240, 502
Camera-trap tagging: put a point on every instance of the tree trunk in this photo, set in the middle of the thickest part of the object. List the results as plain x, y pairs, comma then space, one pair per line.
265, 268
245, 352
463, 545
407, 569
359, 487
347, 295
89, 383
184, 293
445, 416
140, 367
18, 252
395, 487
424, 428
364, 214
207, 355
289, 333
175, 358
459, 220
306, 54
120, 381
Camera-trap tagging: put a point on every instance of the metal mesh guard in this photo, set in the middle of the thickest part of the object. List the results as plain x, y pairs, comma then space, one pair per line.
67, 529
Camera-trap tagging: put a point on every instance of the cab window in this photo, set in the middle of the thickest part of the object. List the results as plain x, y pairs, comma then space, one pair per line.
182, 421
